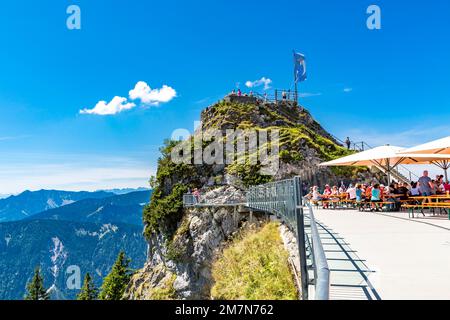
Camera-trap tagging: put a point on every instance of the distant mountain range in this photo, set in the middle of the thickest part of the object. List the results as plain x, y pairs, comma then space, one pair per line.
126, 190
29, 203
63, 229
126, 208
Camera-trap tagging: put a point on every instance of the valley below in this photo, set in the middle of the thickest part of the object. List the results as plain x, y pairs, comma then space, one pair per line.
78, 231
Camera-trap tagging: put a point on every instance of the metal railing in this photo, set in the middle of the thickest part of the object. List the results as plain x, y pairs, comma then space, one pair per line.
284, 199
189, 200
277, 96
319, 261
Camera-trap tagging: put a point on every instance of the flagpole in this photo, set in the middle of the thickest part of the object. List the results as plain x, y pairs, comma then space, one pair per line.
295, 77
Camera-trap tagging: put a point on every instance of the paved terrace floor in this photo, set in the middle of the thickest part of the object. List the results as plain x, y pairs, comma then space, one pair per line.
386, 256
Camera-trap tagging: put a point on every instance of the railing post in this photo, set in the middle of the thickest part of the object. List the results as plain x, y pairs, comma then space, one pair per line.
299, 216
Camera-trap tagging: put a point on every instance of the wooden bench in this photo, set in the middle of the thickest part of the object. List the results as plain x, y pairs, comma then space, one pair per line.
369, 205
433, 205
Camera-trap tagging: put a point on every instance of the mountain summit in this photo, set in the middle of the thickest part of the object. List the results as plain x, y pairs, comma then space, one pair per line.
184, 242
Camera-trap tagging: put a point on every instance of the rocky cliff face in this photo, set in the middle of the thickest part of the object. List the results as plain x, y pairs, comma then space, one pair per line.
184, 242
180, 268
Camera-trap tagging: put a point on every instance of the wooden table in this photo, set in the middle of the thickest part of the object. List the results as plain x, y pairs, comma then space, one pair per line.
430, 202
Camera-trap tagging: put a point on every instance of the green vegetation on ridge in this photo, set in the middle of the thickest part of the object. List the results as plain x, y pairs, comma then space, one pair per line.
254, 267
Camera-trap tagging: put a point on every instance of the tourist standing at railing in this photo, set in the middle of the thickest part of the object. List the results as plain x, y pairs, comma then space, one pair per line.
348, 143
239, 93
196, 195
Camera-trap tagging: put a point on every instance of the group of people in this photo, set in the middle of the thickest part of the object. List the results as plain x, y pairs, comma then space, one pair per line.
239, 93
427, 186
375, 192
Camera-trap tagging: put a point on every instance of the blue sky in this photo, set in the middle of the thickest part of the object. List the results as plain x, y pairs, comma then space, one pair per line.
381, 86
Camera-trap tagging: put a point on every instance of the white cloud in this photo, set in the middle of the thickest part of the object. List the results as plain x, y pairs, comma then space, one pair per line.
10, 138
149, 96
257, 83
117, 105
141, 91
347, 90
308, 94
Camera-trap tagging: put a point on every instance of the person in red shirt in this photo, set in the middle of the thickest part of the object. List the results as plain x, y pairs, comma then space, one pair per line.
368, 192
447, 187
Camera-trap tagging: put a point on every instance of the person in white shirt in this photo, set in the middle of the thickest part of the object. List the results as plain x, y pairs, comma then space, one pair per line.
414, 190
316, 196
351, 192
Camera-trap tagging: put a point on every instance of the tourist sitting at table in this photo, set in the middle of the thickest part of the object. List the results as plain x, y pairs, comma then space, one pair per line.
327, 191
385, 191
308, 195
351, 192
316, 196
389, 195
415, 191
335, 192
434, 187
400, 193
342, 188
403, 191
359, 193
375, 197
368, 192
326, 195
395, 189
446, 187
440, 188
